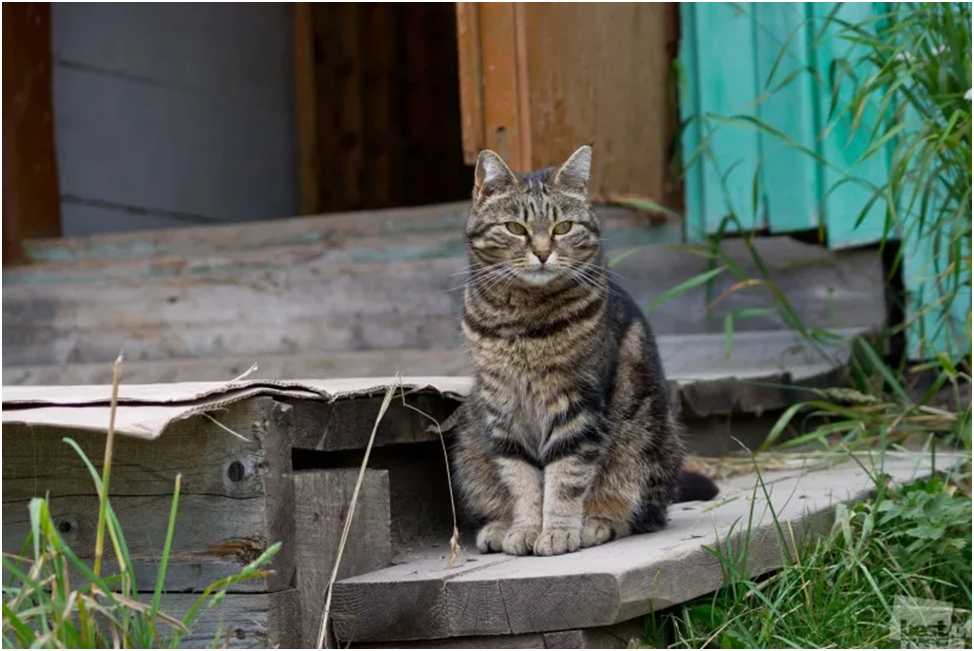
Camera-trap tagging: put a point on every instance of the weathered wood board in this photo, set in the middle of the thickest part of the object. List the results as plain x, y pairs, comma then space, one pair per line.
309, 305
333, 231
241, 621
617, 636
236, 495
503, 595
321, 503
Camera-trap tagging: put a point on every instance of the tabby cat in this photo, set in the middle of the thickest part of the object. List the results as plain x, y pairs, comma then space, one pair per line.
568, 438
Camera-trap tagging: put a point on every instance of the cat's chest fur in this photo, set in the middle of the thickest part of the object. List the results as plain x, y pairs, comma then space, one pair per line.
524, 384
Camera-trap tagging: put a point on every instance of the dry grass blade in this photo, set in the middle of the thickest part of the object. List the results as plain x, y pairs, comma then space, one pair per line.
323, 627
225, 428
107, 469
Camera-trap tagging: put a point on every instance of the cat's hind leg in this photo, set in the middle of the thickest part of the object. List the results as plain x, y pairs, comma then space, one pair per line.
598, 530
606, 518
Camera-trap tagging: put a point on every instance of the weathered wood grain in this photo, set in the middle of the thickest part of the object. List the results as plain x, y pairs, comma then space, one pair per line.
308, 305
237, 495
385, 608
346, 424
575, 97
214, 537
529, 641
321, 505
764, 371
365, 239
616, 582
617, 636
241, 621
333, 364
333, 229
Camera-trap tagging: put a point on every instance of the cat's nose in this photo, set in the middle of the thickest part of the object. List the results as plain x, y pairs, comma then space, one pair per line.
543, 254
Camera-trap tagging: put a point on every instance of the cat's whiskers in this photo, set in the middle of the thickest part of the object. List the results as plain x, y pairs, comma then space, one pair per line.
490, 278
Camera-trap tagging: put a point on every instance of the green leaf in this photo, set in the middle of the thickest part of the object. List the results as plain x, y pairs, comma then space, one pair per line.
880, 366
685, 286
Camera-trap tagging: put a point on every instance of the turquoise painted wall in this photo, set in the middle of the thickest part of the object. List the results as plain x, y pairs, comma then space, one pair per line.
761, 157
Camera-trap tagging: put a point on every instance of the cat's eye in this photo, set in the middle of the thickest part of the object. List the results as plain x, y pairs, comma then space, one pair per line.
516, 228
562, 228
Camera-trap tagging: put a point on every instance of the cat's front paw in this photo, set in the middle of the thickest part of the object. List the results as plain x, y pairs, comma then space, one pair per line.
519, 541
552, 542
491, 537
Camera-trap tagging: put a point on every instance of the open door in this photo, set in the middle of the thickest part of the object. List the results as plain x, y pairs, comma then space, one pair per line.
539, 79
31, 203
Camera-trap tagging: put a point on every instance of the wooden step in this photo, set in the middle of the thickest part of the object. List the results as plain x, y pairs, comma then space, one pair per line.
330, 231
288, 301
765, 363
499, 595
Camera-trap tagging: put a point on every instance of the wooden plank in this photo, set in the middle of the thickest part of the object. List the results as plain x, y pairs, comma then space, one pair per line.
502, 119
310, 305
849, 136
31, 199
337, 364
322, 499
333, 231
504, 595
390, 605
771, 368
236, 499
411, 239
584, 83
324, 230
723, 41
471, 80
346, 424
241, 621
791, 178
619, 636
305, 107
530, 641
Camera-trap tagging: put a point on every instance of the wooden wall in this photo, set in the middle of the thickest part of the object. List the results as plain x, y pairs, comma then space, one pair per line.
378, 105
30, 181
541, 79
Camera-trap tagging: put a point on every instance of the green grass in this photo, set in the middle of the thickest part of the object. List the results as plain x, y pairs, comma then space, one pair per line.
910, 541
55, 598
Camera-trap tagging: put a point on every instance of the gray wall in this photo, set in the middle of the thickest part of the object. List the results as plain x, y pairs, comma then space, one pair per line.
170, 115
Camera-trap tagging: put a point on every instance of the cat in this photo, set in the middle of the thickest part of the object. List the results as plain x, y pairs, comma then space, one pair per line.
568, 438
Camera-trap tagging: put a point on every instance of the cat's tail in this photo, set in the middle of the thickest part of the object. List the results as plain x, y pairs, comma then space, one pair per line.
692, 487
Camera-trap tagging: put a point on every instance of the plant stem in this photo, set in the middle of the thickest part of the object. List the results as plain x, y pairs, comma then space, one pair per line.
107, 469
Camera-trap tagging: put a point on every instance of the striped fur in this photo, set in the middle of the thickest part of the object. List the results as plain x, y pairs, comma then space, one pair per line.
568, 439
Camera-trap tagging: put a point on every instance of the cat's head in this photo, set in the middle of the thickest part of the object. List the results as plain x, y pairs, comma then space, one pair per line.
533, 228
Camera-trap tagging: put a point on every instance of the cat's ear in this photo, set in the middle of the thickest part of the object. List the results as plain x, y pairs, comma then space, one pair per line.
574, 172
491, 176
